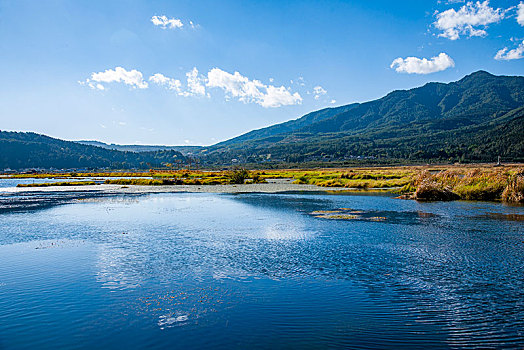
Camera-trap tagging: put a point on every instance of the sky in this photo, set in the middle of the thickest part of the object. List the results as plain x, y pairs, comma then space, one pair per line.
199, 72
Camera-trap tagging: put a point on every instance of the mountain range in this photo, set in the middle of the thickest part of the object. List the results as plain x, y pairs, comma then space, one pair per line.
476, 118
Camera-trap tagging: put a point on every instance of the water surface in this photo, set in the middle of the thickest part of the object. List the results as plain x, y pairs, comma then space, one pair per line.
260, 270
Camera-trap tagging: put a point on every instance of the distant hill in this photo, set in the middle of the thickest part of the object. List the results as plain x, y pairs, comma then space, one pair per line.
21, 150
474, 119
185, 150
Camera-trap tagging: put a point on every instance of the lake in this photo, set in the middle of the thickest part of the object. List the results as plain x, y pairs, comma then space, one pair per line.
291, 270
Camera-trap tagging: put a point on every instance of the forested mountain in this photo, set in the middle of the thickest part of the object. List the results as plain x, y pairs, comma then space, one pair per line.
476, 118
289, 126
20, 150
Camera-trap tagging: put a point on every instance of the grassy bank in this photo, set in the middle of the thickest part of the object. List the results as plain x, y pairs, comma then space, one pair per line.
466, 182
488, 184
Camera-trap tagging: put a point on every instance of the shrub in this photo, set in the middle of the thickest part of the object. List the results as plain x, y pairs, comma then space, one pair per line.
238, 176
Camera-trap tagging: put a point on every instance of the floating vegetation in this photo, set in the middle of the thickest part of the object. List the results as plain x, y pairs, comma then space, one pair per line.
321, 212
338, 216
394, 217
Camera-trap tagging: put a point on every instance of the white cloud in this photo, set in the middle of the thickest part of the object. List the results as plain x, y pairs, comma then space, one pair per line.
235, 85
463, 22
169, 83
520, 14
195, 84
319, 91
422, 65
333, 101
165, 23
251, 91
133, 78
515, 54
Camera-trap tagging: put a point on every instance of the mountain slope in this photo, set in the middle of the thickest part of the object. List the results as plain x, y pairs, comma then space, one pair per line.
19, 150
289, 126
397, 126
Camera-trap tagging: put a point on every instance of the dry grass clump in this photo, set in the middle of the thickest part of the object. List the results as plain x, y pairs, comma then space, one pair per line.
514, 191
429, 190
477, 184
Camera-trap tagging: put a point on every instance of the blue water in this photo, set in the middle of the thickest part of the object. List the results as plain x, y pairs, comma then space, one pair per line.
6, 182
260, 270
12, 182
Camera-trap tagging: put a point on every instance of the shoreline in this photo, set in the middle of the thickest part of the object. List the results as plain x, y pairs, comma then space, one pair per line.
134, 189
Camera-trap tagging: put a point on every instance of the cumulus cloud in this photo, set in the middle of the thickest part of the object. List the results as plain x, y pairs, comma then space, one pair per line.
234, 85
319, 91
515, 54
195, 84
167, 23
520, 14
251, 91
169, 83
422, 65
454, 23
133, 78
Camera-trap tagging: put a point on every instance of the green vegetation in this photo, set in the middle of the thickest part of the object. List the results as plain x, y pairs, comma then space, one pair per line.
64, 183
186, 177
361, 179
238, 176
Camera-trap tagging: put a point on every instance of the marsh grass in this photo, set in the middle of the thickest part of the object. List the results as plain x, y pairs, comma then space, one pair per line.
417, 182
64, 183
143, 182
488, 184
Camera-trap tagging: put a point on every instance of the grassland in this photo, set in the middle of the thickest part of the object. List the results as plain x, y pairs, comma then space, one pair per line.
424, 183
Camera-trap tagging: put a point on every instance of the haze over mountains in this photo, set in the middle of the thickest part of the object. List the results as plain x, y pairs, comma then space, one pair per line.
474, 119
143, 148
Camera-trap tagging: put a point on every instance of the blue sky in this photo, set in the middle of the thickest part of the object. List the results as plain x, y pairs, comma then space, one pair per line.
198, 72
